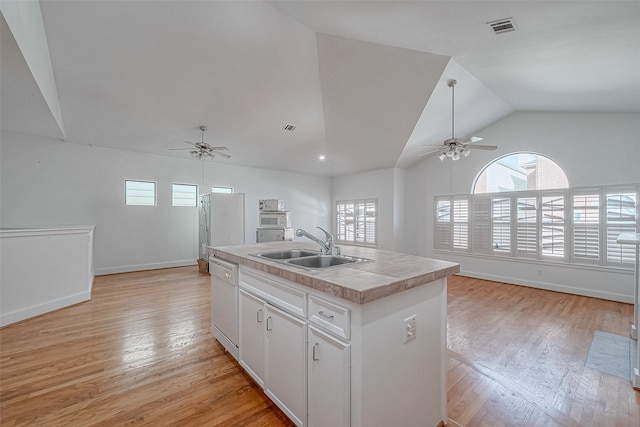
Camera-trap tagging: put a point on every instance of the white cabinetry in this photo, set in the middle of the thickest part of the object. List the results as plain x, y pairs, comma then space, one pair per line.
252, 336
328, 371
285, 381
273, 343
328, 361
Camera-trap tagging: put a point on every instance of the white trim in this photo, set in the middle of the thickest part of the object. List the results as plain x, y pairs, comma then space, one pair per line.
28, 232
36, 310
550, 286
572, 265
141, 267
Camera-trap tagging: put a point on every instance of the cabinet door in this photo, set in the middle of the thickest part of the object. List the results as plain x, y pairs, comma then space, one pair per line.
329, 380
252, 336
286, 363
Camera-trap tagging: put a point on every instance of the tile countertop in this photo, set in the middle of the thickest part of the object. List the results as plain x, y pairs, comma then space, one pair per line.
390, 273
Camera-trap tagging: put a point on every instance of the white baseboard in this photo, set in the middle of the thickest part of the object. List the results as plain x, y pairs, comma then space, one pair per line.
36, 310
552, 287
141, 267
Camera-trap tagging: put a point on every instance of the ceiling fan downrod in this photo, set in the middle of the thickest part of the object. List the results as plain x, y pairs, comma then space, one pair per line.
452, 84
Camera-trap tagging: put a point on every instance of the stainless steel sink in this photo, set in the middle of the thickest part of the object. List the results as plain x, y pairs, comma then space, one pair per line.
324, 261
309, 259
288, 254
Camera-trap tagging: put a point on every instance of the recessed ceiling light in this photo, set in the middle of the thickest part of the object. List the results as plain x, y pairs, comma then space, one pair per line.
321, 157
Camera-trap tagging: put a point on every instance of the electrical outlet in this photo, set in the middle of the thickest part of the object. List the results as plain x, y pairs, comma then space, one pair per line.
410, 330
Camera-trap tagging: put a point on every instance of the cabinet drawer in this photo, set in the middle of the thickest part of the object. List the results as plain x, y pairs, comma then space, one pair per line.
330, 317
280, 295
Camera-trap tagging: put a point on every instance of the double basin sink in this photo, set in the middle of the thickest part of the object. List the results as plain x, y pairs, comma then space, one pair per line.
309, 259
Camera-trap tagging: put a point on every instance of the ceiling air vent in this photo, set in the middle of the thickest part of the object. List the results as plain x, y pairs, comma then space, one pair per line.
290, 127
503, 25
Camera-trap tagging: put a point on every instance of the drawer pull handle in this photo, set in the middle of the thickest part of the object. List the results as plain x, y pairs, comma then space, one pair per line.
268, 327
259, 316
326, 316
314, 352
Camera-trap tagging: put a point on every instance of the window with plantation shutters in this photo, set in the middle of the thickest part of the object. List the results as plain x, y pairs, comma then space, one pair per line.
527, 226
460, 223
586, 226
356, 222
480, 224
443, 224
621, 216
572, 225
501, 224
552, 230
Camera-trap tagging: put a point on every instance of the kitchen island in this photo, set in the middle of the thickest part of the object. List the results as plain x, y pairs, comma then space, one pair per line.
362, 344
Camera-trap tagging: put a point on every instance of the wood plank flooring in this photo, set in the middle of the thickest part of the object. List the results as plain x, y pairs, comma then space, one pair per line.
517, 358
141, 353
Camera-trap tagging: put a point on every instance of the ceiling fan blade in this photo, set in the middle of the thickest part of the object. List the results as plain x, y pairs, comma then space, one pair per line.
220, 148
434, 152
470, 140
480, 147
186, 148
217, 153
432, 145
191, 143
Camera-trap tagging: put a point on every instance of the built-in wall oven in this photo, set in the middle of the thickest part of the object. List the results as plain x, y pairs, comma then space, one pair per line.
224, 303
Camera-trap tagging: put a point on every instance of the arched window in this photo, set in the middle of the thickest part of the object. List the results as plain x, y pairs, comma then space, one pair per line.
518, 172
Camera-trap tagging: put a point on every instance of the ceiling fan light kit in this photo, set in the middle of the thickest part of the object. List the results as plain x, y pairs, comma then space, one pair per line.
200, 150
454, 147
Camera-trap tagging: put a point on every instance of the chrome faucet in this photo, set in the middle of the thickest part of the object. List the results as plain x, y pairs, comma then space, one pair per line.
327, 245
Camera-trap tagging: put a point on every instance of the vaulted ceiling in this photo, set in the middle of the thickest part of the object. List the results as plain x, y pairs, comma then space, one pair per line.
364, 82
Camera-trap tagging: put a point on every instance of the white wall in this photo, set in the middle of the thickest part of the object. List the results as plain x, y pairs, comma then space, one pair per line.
593, 149
45, 182
387, 185
32, 285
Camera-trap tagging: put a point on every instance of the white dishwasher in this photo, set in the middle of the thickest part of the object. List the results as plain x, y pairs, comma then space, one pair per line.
224, 303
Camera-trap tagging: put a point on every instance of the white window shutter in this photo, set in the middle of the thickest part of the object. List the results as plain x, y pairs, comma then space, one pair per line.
527, 226
621, 214
553, 225
586, 226
481, 224
501, 224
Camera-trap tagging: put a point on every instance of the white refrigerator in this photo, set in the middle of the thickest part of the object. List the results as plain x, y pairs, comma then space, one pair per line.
220, 221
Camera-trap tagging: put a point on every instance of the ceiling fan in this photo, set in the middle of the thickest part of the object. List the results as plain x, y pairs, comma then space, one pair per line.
200, 150
454, 147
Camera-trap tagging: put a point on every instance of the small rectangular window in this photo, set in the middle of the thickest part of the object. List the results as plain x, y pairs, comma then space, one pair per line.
185, 195
139, 193
228, 190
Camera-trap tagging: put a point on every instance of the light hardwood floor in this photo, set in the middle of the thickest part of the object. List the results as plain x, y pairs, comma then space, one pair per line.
141, 353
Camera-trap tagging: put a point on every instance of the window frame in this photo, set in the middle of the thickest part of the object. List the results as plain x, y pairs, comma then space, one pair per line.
222, 189
140, 181
342, 229
497, 161
182, 205
561, 217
